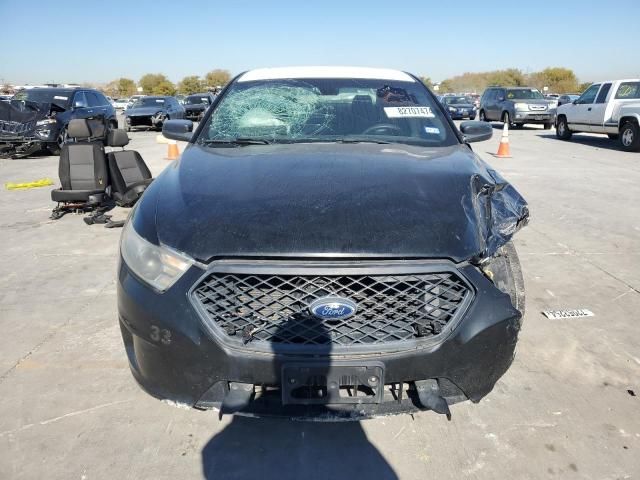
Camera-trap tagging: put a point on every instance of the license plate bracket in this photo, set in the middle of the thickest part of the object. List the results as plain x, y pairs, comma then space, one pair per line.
332, 383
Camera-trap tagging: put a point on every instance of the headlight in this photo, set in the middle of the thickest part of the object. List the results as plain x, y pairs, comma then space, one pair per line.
521, 106
159, 266
46, 121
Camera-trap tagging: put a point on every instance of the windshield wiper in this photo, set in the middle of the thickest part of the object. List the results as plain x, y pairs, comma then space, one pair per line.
238, 141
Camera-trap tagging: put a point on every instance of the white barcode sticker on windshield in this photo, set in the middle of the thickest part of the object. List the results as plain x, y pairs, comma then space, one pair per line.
408, 112
559, 314
433, 130
60, 97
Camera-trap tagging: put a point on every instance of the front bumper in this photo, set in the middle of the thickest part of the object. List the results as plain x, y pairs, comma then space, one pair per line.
154, 121
173, 357
533, 117
464, 114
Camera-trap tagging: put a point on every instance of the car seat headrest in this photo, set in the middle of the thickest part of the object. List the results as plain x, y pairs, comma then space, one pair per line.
78, 128
117, 137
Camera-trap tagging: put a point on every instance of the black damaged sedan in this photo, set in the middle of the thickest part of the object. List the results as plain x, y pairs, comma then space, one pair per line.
328, 246
152, 112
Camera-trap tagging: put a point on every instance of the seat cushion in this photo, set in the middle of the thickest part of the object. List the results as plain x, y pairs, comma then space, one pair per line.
60, 195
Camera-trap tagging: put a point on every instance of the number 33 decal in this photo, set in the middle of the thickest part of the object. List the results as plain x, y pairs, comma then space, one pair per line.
161, 335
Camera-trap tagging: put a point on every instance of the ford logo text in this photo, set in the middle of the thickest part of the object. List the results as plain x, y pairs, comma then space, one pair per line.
333, 308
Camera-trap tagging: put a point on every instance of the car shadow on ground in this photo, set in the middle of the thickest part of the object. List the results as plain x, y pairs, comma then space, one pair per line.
591, 141
283, 449
500, 126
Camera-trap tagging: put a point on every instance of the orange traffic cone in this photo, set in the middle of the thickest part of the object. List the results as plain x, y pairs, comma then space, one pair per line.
503, 149
172, 150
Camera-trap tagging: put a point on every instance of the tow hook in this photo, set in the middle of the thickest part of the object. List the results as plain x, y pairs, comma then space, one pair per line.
236, 398
430, 398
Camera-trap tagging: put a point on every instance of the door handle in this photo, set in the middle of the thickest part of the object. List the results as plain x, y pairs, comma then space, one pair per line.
589, 109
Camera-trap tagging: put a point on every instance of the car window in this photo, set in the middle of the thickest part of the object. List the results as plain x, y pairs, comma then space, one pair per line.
328, 110
604, 91
524, 94
79, 100
628, 90
93, 99
589, 95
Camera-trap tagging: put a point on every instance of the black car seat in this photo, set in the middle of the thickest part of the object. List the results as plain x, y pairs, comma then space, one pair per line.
129, 175
82, 167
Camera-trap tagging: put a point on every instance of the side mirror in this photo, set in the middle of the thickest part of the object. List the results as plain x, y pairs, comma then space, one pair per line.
476, 131
575, 102
178, 130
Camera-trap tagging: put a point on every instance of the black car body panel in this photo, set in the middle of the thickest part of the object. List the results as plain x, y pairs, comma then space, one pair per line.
28, 126
420, 203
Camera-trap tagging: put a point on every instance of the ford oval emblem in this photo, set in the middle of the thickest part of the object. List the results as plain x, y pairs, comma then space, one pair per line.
333, 308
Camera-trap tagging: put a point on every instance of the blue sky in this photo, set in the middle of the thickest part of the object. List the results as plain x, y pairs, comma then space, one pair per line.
97, 41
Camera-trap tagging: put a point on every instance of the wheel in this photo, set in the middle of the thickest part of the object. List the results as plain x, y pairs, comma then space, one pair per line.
506, 118
630, 137
562, 129
613, 136
547, 126
483, 117
55, 148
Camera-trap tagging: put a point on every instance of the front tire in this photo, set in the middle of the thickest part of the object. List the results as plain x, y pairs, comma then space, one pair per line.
562, 129
483, 117
506, 118
630, 137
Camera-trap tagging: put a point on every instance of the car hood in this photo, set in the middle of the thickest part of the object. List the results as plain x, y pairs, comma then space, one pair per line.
143, 111
333, 200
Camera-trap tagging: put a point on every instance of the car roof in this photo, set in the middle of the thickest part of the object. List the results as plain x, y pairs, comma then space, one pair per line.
325, 72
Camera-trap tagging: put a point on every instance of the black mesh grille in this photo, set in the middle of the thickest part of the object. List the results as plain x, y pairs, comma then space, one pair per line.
274, 308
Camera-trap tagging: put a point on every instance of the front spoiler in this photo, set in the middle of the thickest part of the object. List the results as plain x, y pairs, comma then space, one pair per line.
173, 358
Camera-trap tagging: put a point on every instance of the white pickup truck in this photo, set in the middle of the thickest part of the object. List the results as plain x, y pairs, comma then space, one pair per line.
611, 108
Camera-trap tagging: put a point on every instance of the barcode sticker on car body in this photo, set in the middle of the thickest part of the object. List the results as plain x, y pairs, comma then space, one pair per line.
408, 112
560, 314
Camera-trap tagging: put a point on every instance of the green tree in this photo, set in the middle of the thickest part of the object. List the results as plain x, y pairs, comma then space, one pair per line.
558, 79
445, 87
126, 87
164, 88
150, 81
583, 86
427, 81
217, 78
190, 84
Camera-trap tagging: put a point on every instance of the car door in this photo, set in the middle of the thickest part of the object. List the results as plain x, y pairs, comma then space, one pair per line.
80, 106
489, 104
595, 113
97, 118
495, 106
578, 114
